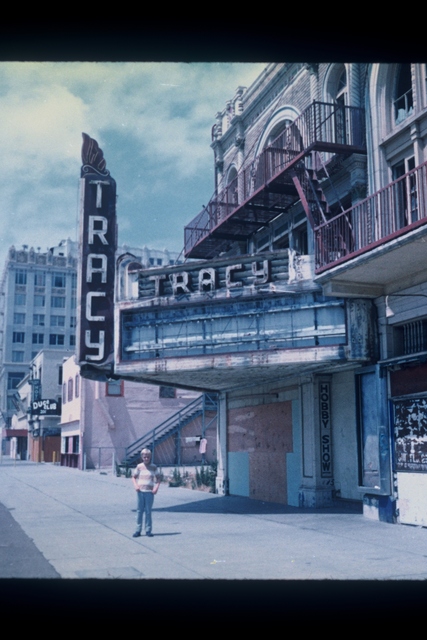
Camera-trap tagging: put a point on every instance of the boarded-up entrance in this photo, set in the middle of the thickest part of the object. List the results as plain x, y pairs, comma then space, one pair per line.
262, 435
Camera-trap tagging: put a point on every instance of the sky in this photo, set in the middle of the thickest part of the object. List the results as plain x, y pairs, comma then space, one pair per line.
153, 122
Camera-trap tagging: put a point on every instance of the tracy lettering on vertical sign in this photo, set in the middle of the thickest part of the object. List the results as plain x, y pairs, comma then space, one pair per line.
98, 242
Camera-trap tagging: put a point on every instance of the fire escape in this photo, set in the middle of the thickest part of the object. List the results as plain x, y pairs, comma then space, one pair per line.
283, 173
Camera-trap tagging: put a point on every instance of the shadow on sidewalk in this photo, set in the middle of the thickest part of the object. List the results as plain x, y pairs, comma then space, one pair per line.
241, 505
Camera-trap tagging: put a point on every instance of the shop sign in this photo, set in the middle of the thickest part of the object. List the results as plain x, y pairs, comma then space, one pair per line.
325, 430
98, 240
45, 408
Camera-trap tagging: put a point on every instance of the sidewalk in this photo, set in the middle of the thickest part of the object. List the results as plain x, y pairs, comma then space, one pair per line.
82, 523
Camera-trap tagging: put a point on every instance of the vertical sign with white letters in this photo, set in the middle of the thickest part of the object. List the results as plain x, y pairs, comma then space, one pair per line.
325, 430
98, 242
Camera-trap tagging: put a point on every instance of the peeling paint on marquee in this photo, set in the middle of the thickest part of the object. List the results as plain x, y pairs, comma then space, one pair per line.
98, 243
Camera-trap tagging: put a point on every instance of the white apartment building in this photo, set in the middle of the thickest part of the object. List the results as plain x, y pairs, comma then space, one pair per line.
38, 311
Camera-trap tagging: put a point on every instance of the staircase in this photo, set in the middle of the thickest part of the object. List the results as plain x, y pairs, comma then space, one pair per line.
173, 425
268, 184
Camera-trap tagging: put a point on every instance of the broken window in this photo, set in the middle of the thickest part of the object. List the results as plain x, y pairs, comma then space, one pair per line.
403, 99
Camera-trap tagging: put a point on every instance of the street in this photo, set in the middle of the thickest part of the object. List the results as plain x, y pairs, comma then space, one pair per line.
82, 524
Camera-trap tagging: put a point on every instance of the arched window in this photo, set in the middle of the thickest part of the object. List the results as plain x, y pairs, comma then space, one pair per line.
77, 385
277, 146
64, 393
233, 186
70, 389
277, 130
341, 125
403, 101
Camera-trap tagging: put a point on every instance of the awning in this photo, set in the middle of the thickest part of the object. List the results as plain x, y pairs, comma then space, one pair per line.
15, 433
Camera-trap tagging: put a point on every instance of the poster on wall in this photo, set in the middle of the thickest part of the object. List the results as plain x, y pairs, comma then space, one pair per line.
410, 428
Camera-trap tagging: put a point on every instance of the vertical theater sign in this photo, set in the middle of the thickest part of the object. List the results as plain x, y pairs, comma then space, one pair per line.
98, 242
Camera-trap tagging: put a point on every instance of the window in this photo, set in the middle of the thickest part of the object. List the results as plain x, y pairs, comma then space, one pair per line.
13, 379
114, 388
20, 276
18, 336
38, 338
38, 319
77, 385
60, 374
17, 356
403, 99
233, 186
20, 299
300, 239
71, 444
57, 321
74, 280
72, 340
58, 280
64, 393
58, 302
341, 125
39, 301
40, 279
19, 318
73, 322
410, 337
405, 192
56, 339
70, 389
167, 392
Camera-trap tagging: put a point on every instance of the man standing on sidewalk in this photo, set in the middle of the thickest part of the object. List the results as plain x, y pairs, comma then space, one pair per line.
146, 480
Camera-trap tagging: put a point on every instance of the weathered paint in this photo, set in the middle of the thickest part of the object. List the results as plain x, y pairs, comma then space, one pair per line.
412, 498
264, 432
294, 458
344, 440
237, 326
217, 279
238, 473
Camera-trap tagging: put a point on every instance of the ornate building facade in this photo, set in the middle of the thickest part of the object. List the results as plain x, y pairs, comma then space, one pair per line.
302, 301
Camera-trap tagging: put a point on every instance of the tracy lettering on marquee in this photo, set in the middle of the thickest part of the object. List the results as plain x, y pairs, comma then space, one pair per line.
206, 279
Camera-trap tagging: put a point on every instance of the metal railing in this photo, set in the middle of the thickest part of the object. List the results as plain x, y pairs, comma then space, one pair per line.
174, 424
100, 457
377, 219
324, 126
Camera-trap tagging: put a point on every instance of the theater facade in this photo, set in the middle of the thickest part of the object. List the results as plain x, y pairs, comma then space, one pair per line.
282, 307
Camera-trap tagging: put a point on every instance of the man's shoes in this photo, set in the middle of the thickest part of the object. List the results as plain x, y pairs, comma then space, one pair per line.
149, 534
136, 534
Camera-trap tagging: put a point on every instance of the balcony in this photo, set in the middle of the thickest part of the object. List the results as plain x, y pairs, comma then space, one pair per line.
387, 227
265, 186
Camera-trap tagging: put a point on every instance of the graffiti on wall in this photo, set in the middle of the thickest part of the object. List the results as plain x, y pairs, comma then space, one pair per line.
410, 428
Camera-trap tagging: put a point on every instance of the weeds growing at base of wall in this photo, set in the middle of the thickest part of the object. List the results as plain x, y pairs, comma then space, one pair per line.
176, 480
203, 478
206, 476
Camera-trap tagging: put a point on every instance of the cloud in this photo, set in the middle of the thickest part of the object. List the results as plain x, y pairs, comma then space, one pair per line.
153, 121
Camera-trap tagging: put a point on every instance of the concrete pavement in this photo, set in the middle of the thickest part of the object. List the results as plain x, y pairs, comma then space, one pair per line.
82, 523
